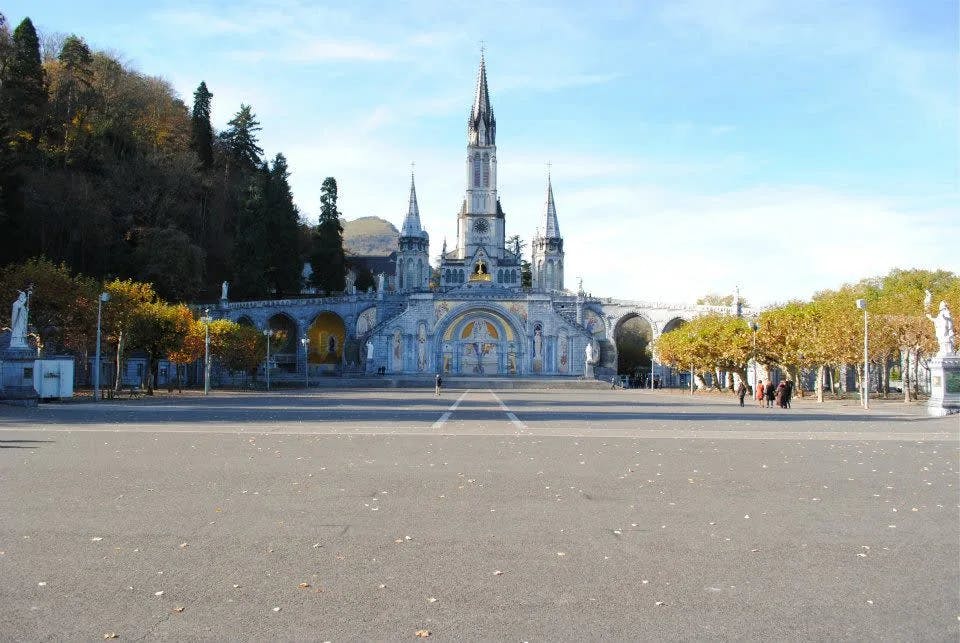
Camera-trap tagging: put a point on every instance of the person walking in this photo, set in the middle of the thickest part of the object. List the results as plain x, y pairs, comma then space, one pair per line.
759, 393
788, 394
770, 392
781, 395
439, 383
741, 391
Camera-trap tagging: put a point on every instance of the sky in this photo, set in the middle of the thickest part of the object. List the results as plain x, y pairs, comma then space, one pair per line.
695, 146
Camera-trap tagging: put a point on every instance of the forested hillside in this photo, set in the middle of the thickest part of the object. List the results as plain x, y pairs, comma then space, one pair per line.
105, 168
369, 236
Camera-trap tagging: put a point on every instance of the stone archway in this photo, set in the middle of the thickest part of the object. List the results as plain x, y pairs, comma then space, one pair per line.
327, 334
671, 377
283, 347
480, 342
632, 337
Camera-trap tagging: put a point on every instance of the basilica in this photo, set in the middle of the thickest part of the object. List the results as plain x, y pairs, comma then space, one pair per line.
478, 319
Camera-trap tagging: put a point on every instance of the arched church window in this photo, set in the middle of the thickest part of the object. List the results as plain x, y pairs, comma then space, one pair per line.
486, 170
446, 275
513, 276
419, 272
460, 276
476, 169
400, 274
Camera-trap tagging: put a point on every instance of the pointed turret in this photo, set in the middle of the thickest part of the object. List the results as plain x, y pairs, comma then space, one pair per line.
547, 265
482, 126
413, 249
411, 224
551, 229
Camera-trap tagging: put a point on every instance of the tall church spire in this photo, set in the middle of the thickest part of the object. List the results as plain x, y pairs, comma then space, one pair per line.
482, 126
551, 229
411, 224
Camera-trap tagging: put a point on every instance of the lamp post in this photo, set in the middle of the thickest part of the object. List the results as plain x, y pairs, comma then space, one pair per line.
754, 326
306, 360
206, 319
103, 298
865, 383
268, 334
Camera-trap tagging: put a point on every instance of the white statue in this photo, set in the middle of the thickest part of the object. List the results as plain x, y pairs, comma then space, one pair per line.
380, 282
18, 322
592, 352
537, 343
351, 280
223, 290
369, 351
422, 348
943, 326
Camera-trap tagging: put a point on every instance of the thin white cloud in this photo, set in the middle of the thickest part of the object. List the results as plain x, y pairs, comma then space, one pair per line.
316, 51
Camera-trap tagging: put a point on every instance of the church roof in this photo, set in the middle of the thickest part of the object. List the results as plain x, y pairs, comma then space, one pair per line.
482, 126
411, 224
551, 229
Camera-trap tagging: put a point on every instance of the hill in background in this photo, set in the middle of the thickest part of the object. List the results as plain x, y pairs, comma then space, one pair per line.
369, 236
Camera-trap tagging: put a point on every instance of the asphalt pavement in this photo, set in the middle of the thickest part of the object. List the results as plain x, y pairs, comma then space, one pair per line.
349, 515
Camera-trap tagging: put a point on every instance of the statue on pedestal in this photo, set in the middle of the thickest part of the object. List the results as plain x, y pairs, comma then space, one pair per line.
18, 321
591, 357
943, 327
223, 291
350, 281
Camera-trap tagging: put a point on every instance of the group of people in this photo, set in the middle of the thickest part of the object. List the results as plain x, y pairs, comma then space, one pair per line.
767, 394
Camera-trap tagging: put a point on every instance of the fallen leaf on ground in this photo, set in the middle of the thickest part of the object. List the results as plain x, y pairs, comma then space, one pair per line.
177, 609
160, 593
96, 539
497, 572
111, 635
659, 603
276, 609
303, 585
431, 600
422, 634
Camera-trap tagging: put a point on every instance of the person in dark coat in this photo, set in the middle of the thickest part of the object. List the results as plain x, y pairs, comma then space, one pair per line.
770, 392
741, 391
788, 394
780, 395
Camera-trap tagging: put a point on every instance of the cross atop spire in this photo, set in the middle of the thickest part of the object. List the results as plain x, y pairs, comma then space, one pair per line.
551, 229
482, 126
411, 224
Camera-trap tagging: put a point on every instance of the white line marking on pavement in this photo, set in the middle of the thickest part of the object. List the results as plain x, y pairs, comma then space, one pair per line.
446, 416
513, 418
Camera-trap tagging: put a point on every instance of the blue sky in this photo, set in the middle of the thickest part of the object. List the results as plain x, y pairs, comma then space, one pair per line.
695, 144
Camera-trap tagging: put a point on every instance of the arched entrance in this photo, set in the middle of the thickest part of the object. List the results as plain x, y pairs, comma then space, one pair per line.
632, 336
480, 342
283, 346
327, 334
671, 377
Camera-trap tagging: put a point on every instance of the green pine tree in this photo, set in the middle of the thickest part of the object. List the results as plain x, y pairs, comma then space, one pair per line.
23, 98
250, 241
201, 131
240, 139
327, 258
282, 227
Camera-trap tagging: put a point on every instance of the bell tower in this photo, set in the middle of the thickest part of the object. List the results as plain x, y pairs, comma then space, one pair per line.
547, 267
480, 224
413, 249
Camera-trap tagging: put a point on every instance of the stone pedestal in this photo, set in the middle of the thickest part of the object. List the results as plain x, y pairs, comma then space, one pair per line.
944, 385
16, 376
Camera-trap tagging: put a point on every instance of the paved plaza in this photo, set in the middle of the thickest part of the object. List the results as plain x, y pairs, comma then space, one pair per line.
482, 514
